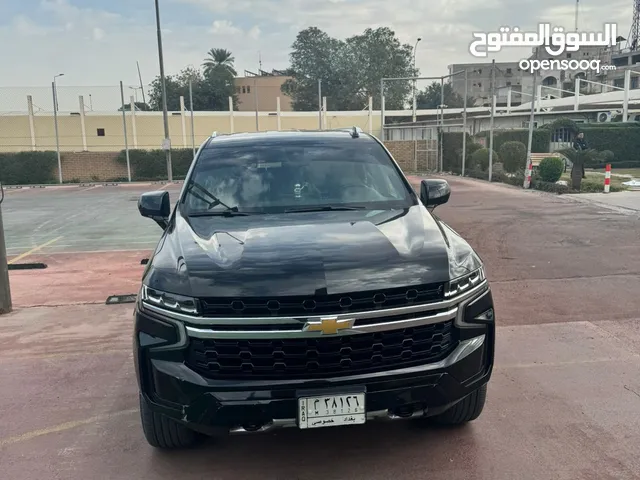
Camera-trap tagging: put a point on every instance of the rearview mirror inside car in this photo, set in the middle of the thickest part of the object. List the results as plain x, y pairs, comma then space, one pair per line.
156, 206
434, 192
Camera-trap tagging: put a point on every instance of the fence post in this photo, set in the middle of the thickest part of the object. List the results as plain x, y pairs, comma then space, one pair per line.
231, 115
5, 290
32, 127
134, 130
324, 113
576, 96
278, 113
193, 128
464, 122
124, 130
183, 120
55, 123
83, 126
625, 102
370, 115
607, 179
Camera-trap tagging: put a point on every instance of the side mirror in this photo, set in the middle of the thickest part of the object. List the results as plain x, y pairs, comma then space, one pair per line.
156, 206
434, 192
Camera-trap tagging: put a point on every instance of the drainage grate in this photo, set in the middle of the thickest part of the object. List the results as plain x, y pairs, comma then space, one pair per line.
27, 266
116, 299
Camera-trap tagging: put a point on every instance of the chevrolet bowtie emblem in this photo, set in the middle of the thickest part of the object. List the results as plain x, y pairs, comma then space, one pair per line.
329, 325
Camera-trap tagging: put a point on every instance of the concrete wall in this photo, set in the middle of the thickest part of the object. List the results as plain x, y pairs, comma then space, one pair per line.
268, 88
16, 133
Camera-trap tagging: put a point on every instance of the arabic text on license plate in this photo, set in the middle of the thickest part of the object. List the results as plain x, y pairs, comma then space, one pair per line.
331, 411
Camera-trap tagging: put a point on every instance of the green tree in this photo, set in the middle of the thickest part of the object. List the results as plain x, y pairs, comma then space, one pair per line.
350, 70
219, 61
431, 97
211, 89
578, 158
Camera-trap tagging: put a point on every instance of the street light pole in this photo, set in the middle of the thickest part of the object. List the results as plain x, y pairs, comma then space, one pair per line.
414, 80
527, 178
55, 123
165, 116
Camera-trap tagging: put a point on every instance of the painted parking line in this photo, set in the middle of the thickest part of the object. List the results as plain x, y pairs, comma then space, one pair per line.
62, 427
33, 250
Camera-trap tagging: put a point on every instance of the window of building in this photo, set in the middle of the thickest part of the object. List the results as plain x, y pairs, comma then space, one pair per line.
508, 70
244, 89
100, 132
508, 84
479, 71
237, 89
561, 135
568, 55
480, 84
248, 89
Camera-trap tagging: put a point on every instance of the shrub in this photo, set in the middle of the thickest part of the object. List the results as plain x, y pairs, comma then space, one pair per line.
549, 187
151, 165
606, 156
452, 151
513, 155
480, 159
622, 141
551, 169
28, 168
540, 142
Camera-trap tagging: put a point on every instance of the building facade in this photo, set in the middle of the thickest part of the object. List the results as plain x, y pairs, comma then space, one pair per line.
260, 92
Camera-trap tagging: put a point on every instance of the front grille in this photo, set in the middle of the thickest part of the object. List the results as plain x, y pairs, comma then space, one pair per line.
322, 304
321, 357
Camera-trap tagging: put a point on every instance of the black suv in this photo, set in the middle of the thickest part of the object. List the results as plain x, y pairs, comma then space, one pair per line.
300, 281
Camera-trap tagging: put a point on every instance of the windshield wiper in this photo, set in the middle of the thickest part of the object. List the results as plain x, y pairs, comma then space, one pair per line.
220, 213
326, 208
216, 201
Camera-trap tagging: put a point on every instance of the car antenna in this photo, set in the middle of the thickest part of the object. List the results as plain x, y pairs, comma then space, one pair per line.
355, 133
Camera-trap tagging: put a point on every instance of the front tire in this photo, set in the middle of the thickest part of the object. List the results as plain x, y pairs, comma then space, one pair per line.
466, 410
164, 432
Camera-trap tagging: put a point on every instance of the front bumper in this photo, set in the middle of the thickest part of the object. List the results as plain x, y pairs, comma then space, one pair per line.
212, 406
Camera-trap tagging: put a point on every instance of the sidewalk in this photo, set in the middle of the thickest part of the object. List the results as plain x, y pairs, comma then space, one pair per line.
628, 200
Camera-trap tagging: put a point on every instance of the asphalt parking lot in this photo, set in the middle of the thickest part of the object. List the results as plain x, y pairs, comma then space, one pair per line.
564, 401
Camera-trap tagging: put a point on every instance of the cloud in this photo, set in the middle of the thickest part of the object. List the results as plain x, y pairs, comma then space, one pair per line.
98, 33
224, 27
100, 45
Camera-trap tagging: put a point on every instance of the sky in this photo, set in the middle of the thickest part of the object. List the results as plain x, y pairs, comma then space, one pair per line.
97, 42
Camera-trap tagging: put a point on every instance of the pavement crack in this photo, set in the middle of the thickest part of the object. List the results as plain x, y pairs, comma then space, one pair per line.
632, 391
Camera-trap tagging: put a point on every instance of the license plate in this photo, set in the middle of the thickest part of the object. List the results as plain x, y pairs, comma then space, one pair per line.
331, 411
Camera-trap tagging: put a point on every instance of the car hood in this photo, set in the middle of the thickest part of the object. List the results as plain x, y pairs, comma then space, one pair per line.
307, 254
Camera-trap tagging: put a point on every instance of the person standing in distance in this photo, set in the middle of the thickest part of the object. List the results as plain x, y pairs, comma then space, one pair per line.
580, 144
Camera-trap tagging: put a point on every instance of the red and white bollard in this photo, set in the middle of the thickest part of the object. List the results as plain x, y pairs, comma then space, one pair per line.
607, 178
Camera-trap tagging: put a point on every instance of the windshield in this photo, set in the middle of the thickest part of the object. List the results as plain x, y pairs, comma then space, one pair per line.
286, 176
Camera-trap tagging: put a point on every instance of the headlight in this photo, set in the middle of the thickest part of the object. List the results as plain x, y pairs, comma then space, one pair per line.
465, 283
169, 301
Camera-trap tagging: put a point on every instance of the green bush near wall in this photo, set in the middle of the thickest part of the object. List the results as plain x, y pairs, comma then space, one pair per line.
540, 143
452, 151
623, 141
151, 165
28, 168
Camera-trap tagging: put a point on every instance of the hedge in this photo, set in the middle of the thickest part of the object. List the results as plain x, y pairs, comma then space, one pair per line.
550, 169
28, 168
513, 155
540, 142
452, 151
149, 165
623, 141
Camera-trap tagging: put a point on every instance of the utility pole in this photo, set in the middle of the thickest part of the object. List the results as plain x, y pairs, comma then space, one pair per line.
527, 177
464, 122
414, 80
165, 116
441, 141
5, 291
493, 109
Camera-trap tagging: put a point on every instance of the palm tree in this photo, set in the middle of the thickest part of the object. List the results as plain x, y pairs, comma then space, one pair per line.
578, 158
219, 59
